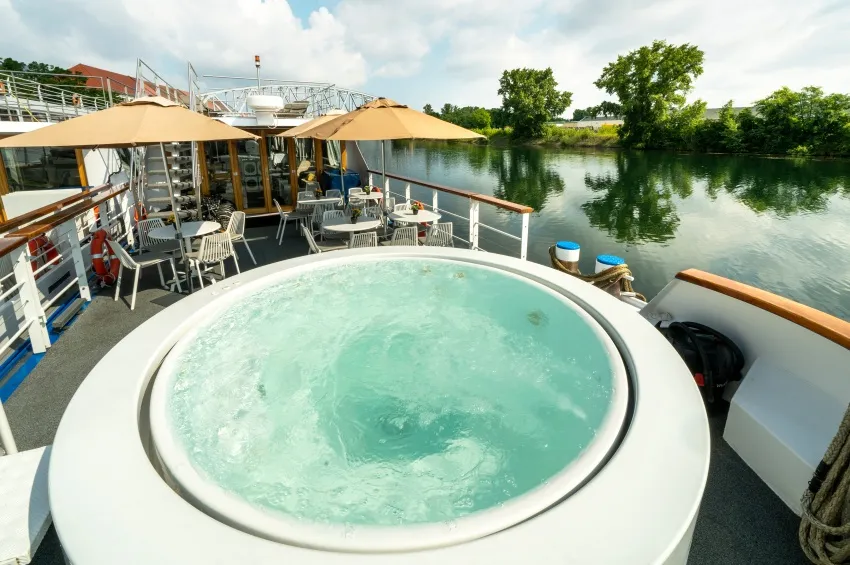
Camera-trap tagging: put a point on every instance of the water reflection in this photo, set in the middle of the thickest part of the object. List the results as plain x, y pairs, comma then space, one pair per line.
636, 202
780, 186
523, 175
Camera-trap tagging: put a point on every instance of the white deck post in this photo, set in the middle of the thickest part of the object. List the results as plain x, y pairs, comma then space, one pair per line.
6, 438
407, 192
30, 301
523, 250
474, 208
371, 180
70, 229
434, 199
103, 212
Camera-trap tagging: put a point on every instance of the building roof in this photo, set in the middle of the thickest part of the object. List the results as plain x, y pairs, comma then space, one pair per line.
124, 83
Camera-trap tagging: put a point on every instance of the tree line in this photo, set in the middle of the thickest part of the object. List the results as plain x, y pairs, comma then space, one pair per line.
33, 72
650, 86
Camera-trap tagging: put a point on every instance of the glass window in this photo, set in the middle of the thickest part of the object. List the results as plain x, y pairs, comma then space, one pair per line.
330, 154
37, 168
250, 173
279, 170
218, 170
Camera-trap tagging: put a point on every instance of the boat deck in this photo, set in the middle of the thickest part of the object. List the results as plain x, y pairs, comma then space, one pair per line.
741, 521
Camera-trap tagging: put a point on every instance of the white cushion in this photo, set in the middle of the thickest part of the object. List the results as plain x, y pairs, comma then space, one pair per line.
24, 508
780, 424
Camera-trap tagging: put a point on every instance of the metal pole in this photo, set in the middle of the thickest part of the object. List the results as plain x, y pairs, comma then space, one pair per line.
384, 177
6, 437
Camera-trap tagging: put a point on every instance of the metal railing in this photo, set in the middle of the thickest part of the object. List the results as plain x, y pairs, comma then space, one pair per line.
25, 100
151, 83
469, 213
45, 258
320, 97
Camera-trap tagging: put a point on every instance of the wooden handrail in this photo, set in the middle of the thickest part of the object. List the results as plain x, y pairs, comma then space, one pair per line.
821, 323
492, 200
7, 244
38, 213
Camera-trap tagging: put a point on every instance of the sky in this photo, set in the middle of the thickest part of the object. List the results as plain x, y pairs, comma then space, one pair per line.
438, 51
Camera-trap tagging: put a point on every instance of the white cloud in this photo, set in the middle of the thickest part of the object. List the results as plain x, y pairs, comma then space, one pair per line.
442, 50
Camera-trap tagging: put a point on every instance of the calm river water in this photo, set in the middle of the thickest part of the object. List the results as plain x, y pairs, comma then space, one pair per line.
780, 224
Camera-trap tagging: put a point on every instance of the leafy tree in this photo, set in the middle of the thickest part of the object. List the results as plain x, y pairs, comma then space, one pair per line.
650, 83
579, 114
609, 109
530, 98
471, 117
428, 109
447, 111
498, 118
26, 71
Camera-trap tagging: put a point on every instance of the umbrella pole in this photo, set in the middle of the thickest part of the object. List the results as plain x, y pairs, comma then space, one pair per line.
176, 214
384, 177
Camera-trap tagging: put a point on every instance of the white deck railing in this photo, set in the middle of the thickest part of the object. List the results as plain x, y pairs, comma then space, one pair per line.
465, 206
34, 277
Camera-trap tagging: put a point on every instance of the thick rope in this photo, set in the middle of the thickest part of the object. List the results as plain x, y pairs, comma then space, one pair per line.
606, 279
825, 527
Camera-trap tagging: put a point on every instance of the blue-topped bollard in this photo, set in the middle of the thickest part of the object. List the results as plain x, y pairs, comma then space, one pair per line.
607, 261
567, 253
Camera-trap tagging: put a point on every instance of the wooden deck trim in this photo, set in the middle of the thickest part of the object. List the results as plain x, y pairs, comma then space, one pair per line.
487, 199
7, 244
821, 323
38, 213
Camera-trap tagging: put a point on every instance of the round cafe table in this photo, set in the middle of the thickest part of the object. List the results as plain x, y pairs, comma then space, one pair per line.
408, 217
187, 229
344, 225
363, 196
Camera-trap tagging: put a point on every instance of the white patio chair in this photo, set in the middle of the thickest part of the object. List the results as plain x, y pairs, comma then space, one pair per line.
318, 214
365, 239
334, 193
306, 195
320, 247
147, 244
440, 235
390, 203
236, 230
295, 215
311, 186
403, 236
331, 216
404, 206
138, 263
355, 190
215, 248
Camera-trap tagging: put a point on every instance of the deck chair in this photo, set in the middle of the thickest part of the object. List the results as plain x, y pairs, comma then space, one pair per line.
440, 235
236, 230
136, 264
403, 236
146, 244
320, 247
215, 248
365, 239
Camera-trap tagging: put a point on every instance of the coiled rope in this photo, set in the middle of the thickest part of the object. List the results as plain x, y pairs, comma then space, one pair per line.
606, 279
825, 527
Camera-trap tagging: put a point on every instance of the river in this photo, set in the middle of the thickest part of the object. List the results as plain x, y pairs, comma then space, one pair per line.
779, 224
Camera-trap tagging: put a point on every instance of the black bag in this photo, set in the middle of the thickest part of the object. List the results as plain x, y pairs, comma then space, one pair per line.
714, 360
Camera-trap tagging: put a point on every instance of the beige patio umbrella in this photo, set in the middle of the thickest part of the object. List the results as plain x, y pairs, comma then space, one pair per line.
299, 131
151, 120
383, 119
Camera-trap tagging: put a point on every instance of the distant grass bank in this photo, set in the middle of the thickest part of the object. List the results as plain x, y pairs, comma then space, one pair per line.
554, 136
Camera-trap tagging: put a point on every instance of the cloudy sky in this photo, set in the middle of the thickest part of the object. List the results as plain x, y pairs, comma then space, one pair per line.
437, 51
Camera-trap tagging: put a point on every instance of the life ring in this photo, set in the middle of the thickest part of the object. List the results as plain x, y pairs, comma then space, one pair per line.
106, 265
38, 246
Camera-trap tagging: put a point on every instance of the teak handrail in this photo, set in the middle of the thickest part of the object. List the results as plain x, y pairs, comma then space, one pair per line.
38, 213
492, 200
821, 323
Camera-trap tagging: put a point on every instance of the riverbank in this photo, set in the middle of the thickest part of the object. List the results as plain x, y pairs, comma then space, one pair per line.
554, 136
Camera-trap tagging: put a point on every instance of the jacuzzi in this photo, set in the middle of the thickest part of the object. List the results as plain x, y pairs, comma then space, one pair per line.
415, 405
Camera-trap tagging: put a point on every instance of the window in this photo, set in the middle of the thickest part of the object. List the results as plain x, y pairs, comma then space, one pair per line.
39, 168
279, 170
219, 178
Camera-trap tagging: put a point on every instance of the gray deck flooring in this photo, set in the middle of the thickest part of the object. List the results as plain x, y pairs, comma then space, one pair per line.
741, 521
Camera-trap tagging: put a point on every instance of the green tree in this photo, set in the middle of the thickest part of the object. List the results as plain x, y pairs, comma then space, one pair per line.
650, 83
579, 114
498, 118
530, 98
428, 109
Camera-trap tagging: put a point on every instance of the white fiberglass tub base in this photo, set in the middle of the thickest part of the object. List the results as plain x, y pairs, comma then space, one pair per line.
111, 506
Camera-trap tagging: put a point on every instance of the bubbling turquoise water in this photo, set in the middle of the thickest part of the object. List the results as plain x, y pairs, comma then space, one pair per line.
399, 391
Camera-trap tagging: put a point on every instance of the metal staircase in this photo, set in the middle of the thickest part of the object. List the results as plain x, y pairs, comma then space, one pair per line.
155, 196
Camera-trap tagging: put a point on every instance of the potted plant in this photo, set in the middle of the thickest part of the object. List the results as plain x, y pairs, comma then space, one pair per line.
367, 189
318, 192
415, 206
355, 213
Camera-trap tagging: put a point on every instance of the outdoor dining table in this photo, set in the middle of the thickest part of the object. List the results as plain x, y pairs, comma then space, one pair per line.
324, 200
344, 225
188, 230
408, 217
363, 196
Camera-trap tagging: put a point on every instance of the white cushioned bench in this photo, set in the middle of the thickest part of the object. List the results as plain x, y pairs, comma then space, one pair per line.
24, 507
780, 425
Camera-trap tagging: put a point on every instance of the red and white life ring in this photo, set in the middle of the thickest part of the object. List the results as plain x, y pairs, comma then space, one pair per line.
41, 246
105, 264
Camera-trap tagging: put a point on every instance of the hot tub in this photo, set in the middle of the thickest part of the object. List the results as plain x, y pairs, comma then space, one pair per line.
430, 405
